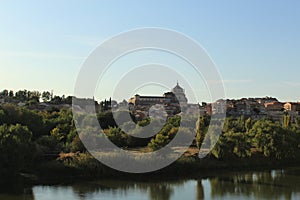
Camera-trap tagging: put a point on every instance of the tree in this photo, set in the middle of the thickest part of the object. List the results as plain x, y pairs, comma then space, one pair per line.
4, 93
222, 149
21, 95
77, 145
56, 100
248, 124
175, 121
106, 120
286, 120
11, 93
159, 141
272, 140
201, 130
91, 137
118, 137
241, 124
241, 144
68, 100
2, 116
15, 147
46, 96
49, 144
64, 125
26, 117
297, 122
164, 136
234, 124
232, 144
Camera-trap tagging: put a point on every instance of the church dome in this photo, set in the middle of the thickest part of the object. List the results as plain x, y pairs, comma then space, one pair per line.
177, 89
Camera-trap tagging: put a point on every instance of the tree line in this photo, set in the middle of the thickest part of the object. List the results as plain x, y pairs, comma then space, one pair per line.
30, 137
31, 97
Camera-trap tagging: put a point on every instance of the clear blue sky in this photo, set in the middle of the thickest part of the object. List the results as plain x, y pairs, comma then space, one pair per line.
255, 44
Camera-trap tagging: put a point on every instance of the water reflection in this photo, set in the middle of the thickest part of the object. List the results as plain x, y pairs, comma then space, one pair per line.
258, 185
261, 185
110, 190
15, 190
199, 191
158, 192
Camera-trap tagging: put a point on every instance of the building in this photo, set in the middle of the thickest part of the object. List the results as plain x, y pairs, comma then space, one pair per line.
173, 98
274, 110
138, 100
292, 106
274, 106
180, 94
219, 107
173, 101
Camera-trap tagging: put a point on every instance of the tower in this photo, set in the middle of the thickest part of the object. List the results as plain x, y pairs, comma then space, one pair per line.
180, 94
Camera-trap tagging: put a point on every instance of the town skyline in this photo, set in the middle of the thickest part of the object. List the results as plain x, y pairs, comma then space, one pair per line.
145, 94
171, 103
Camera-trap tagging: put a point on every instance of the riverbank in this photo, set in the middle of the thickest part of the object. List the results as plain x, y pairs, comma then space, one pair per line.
85, 167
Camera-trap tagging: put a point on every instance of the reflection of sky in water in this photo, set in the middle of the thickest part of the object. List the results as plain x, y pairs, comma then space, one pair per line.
279, 184
68, 193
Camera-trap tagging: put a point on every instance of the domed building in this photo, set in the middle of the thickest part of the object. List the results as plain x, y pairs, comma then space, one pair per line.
177, 95
180, 94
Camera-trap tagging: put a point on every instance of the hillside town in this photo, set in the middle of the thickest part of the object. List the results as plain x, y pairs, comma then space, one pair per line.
255, 108
172, 103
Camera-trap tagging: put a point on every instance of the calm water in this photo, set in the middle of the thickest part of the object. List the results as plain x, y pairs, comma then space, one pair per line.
276, 184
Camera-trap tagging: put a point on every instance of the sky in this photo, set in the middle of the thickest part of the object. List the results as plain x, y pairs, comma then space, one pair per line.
255, 45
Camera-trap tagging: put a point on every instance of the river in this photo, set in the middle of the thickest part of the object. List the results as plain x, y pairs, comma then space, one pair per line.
273, 184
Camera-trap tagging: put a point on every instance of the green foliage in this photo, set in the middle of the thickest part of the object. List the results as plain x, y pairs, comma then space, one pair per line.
118, 137
91, 137
4, 93
297, 122
2, 117
248, 124
48, 144
89, 121
273, 140
234, 124
144, 122
77, 145
106, 120
159, 141
169, 131
24, 95
286, 120
46, 96
163, 137
25, 133
265, 137
232, 145
174, 121
201, 129
15, 147
23, 116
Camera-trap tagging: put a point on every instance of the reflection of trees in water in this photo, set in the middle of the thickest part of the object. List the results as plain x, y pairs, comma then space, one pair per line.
156, 190
259, 185
267, 185
15, 190
200, 191
160, 191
